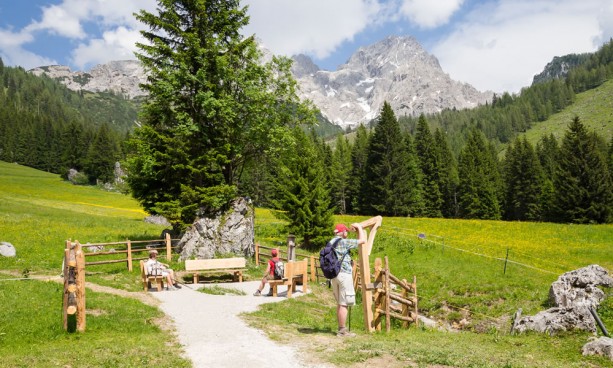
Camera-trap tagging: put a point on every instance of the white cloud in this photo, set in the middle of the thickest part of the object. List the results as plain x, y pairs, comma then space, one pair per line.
502, 47
316, 27
428, 13
118, 44
58, 20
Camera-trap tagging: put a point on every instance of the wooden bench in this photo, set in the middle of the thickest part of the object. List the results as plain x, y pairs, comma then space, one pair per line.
234, 265
148, 279
293, 272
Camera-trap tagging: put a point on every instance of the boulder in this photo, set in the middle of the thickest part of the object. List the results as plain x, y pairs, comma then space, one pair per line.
231, 232
572, 296
157, 220
578, 287
599, 346
556, 320
7, 250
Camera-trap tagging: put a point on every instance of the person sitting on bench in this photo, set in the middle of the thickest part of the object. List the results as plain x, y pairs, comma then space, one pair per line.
157, 268
269, 274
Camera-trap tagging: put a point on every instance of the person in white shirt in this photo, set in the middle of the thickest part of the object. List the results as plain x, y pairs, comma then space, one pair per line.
157, 268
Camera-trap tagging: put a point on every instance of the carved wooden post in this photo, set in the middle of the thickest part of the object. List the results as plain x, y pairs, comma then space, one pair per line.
378, 295
364, 264
313, 269
291, 247
405, 307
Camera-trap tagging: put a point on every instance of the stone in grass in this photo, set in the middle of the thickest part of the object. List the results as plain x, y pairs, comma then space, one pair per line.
7, 250
599, 346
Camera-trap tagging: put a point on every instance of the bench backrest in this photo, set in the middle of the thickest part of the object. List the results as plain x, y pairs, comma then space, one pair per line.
214, 264
295, 268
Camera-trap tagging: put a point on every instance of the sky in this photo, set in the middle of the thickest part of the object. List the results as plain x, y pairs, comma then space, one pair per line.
496, 45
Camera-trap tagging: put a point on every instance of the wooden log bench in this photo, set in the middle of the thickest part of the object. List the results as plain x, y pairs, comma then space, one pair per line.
293, 272
148, 279
235, 265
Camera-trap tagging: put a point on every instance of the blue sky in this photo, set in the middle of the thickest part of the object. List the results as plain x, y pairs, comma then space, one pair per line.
494, 45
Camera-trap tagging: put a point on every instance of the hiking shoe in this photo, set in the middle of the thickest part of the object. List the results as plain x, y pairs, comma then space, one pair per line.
171, 288
343, 332
257, 293
269, 293
177, 286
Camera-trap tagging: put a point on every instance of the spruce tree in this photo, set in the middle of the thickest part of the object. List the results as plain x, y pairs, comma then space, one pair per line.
387, 175
102, 155
302, 197
358, 196
524, 182
479, 180
582, 180
212, 107
448, 175
339, 174
428, 159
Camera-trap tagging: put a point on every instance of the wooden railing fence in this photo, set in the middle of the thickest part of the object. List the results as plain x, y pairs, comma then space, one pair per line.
131, 247
388, 303
261, 250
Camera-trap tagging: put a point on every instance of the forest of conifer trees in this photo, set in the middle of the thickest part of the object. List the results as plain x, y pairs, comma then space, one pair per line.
441, 165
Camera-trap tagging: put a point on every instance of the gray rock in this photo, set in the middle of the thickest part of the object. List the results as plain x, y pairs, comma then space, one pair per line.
7, 250
157, 220
228, 233
578, 287
572, 295
599, 346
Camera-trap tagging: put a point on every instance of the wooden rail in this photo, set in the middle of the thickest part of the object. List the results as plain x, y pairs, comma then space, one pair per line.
406, 311
162, 246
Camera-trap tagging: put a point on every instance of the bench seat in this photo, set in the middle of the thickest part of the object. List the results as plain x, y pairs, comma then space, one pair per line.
293, 273
235, 265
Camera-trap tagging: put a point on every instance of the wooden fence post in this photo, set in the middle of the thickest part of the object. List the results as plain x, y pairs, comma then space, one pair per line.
80, 260
378, 295
388, 290
129, 254
405, 307
257, 254
313, 269
168, 247
66, 271
416, 319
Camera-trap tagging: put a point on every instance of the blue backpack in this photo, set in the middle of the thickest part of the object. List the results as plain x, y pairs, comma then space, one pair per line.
328, 260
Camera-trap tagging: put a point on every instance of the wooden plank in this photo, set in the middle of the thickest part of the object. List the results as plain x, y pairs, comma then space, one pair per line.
214, 264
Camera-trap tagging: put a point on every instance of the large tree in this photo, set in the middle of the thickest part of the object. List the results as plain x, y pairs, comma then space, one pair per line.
582, 181
213, 106
302, 196
524, 182
478, 190
430, 167
387, 176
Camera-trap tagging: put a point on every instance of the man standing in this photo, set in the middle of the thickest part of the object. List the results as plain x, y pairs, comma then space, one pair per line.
342, 284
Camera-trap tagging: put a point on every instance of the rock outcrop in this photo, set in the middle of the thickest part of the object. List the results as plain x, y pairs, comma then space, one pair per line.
228, 233
572, 295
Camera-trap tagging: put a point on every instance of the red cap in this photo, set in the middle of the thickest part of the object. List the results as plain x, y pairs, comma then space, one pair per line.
274, 252
340, 228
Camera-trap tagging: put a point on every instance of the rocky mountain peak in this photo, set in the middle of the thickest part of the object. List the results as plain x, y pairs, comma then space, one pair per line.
396, 69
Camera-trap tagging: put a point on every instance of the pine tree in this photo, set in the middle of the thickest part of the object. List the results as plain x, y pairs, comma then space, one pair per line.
340, 171
212, 108
478, 187
302, 196
415, 201
428, 159
358, 197
448, 175
582, 181
102, 155
524, 182
387, 174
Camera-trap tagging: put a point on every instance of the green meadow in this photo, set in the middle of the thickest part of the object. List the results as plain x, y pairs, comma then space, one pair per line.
472, 276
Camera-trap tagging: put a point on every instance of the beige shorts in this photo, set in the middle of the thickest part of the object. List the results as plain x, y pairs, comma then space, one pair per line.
342, 287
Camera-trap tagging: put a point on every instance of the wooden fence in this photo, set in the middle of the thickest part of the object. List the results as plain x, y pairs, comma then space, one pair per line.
127, 250
389, 303
74, 288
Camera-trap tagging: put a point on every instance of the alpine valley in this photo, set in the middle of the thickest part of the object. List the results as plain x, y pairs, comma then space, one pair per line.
397, 70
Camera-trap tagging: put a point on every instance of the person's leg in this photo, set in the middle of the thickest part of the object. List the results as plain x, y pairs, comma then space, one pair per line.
341, 315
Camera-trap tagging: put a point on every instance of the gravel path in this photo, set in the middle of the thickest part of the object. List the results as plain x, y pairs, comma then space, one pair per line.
213, 335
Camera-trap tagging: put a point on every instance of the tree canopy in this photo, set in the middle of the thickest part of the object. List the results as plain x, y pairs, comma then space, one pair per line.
213, 106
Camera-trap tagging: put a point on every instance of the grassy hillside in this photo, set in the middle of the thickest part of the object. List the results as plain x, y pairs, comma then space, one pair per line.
459, 265
594, 108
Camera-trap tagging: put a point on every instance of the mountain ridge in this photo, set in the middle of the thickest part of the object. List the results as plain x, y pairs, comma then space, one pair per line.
396, 69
